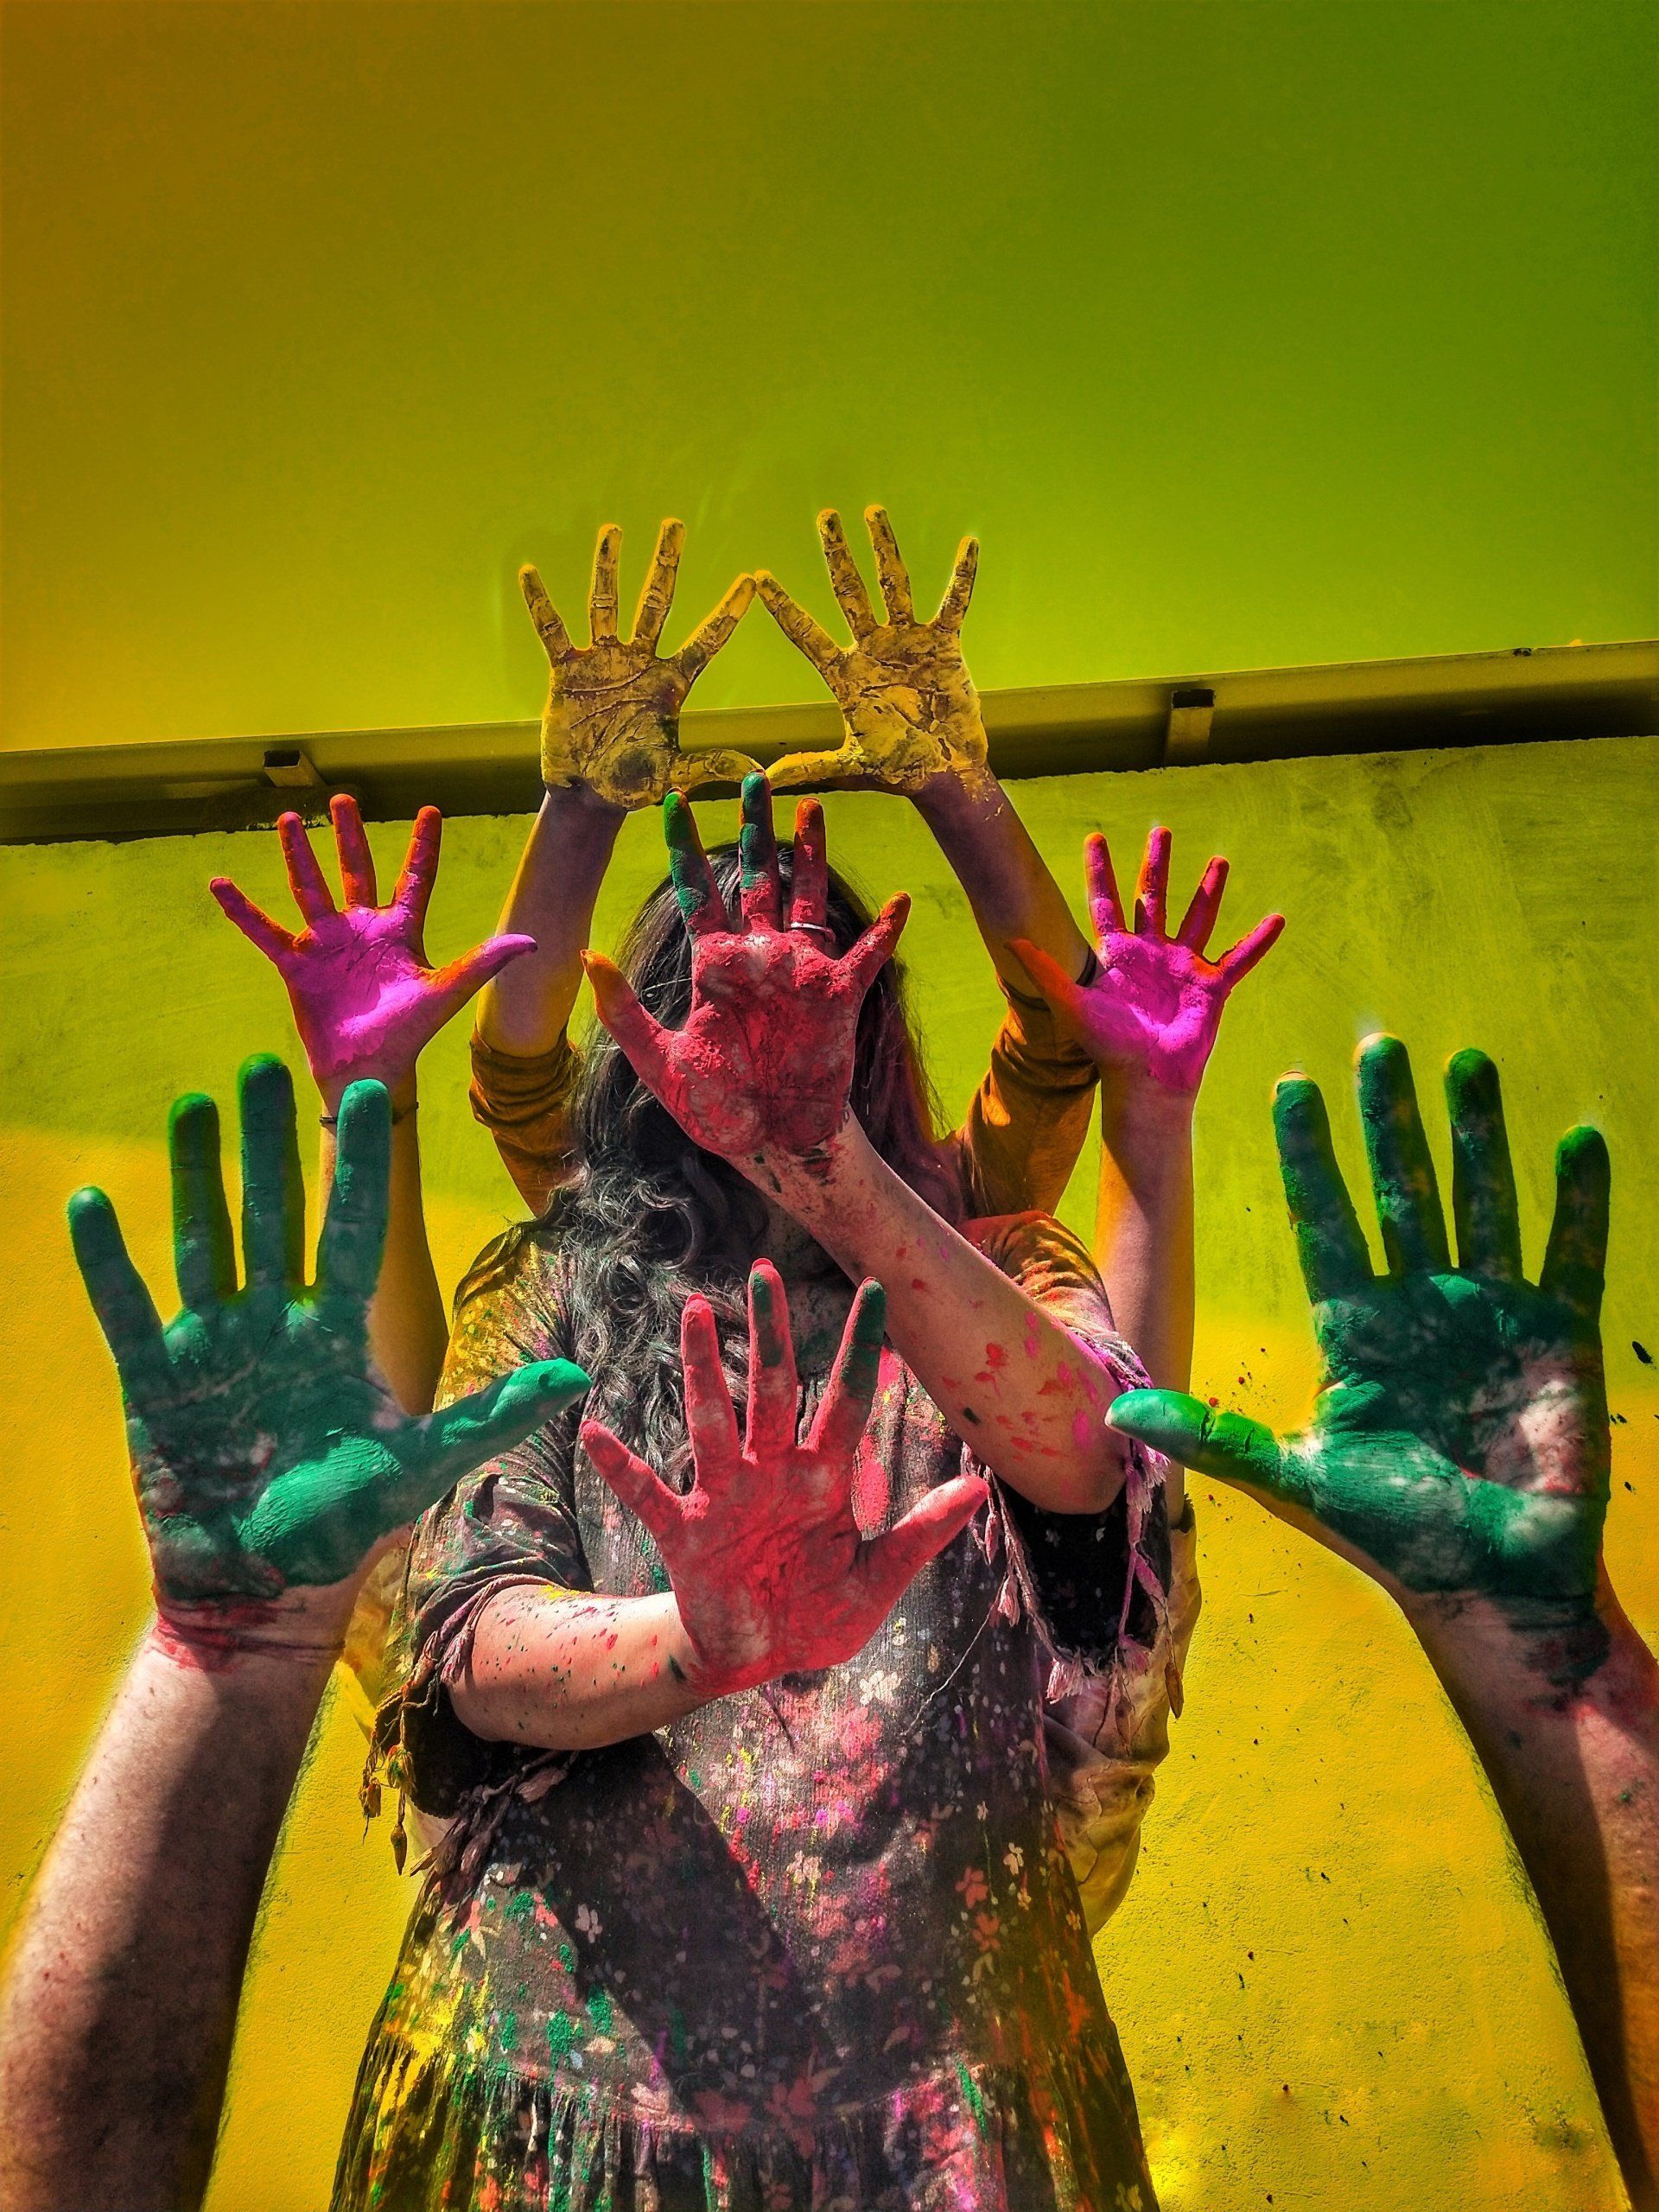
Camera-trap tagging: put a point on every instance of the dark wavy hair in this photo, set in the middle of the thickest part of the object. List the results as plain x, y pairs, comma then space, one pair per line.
648, 1217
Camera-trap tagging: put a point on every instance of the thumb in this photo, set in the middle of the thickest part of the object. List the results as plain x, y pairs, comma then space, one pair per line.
448, 1443
818, 770
641, 1036
893, 1562
453, 986
1228, 1446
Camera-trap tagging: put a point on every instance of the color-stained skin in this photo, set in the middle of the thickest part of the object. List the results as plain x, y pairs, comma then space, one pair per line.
1157, 1001
267, 1450
612, 716
364, 1000
1460, 1443
906, 698
765, 1060
772, 1573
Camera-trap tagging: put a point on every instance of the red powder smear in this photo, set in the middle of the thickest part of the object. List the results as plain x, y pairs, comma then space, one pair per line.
1083, 1430
916, 1283
995, 1356
214, 1636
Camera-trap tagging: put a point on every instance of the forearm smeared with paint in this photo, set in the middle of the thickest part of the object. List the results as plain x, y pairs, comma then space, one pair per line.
760, 1073
366, 1002
1459, 1454
772, 1573
268, 1459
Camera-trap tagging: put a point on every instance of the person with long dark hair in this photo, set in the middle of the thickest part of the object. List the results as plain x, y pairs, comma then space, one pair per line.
713, 1922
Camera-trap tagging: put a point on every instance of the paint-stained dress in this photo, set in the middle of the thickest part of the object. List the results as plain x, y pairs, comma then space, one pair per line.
815, 1945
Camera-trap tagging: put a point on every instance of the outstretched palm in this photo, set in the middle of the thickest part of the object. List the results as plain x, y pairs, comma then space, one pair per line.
772, 1573
612, 714
364, 1000
1154, 1005
906, 696
765, 1059
1459, 1442
267, 1450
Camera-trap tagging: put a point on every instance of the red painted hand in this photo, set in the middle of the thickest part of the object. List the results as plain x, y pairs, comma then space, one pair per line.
364, 1000
765, 1062
1157, 1003
772, 1573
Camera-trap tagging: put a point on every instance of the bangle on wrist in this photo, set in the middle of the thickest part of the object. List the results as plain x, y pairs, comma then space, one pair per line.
399, 1114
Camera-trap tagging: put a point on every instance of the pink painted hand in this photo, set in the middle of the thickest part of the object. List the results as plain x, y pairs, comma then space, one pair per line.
764, 1065
364, 1000
772, 1573
1155, 1007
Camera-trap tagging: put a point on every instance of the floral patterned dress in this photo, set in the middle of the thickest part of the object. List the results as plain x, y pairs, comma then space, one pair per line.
816, 1945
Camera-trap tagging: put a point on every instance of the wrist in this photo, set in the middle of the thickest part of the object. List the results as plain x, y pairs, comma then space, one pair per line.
806, 1183
952, 797
578, 803
1523, 1651
401, 1090
301, 1634
1134, 1096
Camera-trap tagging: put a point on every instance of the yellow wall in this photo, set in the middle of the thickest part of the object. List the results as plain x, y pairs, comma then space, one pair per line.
1328, 1979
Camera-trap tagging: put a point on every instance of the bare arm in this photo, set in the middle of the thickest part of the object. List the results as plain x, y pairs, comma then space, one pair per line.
269, 1460
1144, 1225
1574, 1767
1007, 883
121, 1997
1459, 1454
572, 1673
1029, 1398
525, 1009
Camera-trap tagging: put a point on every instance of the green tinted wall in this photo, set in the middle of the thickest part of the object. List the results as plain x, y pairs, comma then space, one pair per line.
1243, 334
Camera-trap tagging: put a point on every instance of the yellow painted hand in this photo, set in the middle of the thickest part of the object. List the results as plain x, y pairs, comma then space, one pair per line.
904, 693
613, 716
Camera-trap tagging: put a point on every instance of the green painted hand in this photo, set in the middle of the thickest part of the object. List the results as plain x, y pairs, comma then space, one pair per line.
1459, 1442
267, 1453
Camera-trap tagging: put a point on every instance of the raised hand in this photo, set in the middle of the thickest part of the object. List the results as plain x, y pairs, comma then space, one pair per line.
1459, 1442
612, 714
772, 1573
765, 1062
267, 1453
364, 1000
1156, 1004
906, 696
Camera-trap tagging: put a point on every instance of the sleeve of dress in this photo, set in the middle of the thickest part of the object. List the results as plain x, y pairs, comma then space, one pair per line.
524, 1101
1114, 1595
1104, 1753
1029, 1119
510, 1522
